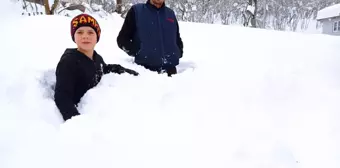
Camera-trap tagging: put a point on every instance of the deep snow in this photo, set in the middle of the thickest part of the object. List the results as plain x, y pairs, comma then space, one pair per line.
245, 98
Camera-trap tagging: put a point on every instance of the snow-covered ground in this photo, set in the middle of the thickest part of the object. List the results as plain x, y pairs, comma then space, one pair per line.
245, 98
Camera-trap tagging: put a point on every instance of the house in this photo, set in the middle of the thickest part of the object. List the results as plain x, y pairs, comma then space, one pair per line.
329, 17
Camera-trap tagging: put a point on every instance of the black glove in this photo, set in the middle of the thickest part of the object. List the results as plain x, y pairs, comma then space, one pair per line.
132, 72
116, 68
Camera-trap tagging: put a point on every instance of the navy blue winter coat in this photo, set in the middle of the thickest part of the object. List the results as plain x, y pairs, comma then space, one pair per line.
151, 35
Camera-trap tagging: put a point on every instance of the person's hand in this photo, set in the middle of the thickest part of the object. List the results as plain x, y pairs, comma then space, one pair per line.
116, 68
132, 72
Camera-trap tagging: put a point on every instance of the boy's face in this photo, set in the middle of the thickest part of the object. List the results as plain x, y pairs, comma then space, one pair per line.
85, 38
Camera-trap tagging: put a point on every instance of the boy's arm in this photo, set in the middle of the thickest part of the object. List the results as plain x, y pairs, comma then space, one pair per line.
65, 83
116, 68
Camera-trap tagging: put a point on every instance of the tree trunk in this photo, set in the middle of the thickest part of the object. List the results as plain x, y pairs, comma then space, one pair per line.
119, 6
50, 10
250, 16
253, 17
54, 6
47, 7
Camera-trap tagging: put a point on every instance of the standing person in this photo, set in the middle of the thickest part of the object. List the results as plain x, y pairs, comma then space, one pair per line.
81, 68
150, 33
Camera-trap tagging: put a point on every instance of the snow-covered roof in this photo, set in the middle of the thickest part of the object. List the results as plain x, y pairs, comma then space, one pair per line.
328, 12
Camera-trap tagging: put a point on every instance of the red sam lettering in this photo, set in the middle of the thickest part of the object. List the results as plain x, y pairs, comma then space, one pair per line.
171, 20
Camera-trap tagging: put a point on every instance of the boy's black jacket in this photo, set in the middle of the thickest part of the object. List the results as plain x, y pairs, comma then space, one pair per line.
75, 75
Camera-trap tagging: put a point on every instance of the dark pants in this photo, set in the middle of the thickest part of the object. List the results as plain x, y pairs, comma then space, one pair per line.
169, 70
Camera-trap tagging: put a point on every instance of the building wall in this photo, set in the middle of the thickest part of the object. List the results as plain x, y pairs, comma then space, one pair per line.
328, 26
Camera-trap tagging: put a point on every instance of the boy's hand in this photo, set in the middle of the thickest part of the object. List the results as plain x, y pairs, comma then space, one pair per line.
132, 72
116, 68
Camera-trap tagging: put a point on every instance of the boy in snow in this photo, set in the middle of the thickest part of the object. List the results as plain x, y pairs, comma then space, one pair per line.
81, 68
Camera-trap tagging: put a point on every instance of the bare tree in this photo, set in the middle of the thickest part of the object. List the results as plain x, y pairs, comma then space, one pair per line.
119, 6
49, 10
250, 13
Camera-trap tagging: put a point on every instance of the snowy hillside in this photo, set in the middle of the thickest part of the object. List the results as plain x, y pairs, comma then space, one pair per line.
268, 103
